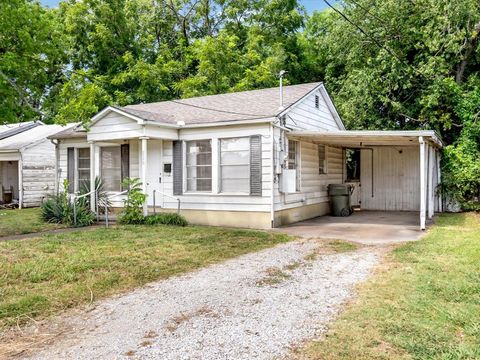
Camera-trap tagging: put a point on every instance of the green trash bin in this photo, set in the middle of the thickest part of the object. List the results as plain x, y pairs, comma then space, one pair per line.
340, 204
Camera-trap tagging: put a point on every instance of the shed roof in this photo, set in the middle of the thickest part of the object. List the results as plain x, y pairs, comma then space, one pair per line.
365, 138
8, 130
28, 137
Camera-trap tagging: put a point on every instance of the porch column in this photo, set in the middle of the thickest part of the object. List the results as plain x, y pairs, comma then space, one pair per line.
93, 205
439, 180
422, 183
431, 161
143, 167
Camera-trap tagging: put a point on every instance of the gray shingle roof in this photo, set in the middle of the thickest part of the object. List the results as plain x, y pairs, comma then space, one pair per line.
75, 131
244, 105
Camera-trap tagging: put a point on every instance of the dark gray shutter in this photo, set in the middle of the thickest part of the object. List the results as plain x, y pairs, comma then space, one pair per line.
71, 169
256, 165
177, 168
125, 161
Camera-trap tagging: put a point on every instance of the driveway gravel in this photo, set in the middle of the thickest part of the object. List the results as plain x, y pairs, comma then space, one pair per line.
257, 306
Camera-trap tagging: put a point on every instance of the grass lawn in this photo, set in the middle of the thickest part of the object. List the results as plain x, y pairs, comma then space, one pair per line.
23, 221
424, 303
42, 276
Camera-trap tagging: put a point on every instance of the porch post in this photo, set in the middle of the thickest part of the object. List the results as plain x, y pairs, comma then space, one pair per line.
431, 160
92, 177
439, 180
422, 183
143, 175
20, 181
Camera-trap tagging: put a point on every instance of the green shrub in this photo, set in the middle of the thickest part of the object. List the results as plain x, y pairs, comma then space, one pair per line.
166, 219
59, 209
132, 212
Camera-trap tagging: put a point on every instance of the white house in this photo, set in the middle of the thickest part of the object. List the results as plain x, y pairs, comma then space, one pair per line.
27, 163
243, 159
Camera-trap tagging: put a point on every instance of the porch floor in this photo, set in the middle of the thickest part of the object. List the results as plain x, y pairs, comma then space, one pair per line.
365, 227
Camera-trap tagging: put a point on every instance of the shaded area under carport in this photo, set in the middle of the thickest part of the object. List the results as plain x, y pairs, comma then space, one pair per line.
365, 227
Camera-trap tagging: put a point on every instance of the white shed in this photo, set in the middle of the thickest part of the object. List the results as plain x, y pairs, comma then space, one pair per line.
27, 163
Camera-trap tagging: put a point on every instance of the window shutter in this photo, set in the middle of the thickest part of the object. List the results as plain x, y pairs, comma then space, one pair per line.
125, 162
256, 165
71, 169
177, 168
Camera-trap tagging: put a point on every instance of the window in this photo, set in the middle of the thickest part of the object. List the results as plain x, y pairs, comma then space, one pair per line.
293, 157
111, 168
322, 159
352, 159
317, 101
199, 165
235, 165
83, 168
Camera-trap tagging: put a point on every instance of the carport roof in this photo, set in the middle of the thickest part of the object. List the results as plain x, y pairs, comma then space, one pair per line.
365, 138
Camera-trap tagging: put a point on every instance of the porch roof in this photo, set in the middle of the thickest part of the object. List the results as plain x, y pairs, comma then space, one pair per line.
365, 138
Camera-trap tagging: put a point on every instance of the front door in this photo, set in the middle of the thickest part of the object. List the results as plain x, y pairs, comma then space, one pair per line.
154, 171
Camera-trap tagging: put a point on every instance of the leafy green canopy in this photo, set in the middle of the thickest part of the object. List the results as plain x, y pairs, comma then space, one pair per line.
392, 65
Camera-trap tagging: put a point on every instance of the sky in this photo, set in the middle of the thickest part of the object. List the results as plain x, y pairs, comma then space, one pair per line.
310, 5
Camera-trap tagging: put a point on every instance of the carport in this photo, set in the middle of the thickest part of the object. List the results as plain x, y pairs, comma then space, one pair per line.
398, 170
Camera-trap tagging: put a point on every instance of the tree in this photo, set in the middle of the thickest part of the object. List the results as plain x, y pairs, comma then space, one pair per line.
31, 60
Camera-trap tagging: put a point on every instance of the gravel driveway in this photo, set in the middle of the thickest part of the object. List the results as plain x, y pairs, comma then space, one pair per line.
256, 306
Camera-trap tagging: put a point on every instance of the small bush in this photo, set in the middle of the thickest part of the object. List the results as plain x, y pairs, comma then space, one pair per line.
166, 219
132, 212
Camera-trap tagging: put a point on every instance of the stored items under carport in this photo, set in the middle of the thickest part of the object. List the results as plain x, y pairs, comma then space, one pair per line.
340, 203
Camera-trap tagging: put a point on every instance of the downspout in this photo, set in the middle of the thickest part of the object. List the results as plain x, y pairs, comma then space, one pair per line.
57, 160
20, 181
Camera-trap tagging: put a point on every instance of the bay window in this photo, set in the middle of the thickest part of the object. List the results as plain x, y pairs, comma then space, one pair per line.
199, 165
235, 165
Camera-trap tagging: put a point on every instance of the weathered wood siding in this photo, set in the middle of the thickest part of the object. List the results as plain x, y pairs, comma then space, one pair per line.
396, 174
38, 172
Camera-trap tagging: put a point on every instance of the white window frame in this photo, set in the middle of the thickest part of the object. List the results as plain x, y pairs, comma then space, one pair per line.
297, 163
221, 191
101, 165
77, 167
186, 166
325, 160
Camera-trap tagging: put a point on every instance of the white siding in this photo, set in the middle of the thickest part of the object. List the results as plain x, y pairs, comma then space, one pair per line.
216, 200
313, 186
305, 116
396, 184
38, 172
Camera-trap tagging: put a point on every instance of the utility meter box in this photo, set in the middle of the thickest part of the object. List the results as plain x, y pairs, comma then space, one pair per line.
288, 181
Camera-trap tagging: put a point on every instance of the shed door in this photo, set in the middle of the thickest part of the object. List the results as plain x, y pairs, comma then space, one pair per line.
390, 179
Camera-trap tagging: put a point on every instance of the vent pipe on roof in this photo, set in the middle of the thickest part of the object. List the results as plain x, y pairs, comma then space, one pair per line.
280, 75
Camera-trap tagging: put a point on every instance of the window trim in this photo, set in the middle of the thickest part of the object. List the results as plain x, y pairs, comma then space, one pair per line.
220, 191
186, 166
325, 160
77, 166
298, 165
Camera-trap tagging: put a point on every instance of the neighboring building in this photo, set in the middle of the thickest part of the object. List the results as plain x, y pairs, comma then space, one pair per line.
27, 163
243, 159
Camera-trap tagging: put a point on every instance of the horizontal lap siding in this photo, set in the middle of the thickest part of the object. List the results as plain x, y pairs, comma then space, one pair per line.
38, 173
313, 186
305, 116
114, 126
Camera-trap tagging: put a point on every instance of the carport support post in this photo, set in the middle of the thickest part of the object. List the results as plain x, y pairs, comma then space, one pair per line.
144, 140
422, 183
93, 198
431, 161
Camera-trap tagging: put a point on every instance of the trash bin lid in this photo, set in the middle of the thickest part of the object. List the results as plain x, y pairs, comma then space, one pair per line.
338, 189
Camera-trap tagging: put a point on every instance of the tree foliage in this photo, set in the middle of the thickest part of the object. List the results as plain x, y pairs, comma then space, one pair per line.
388, 64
